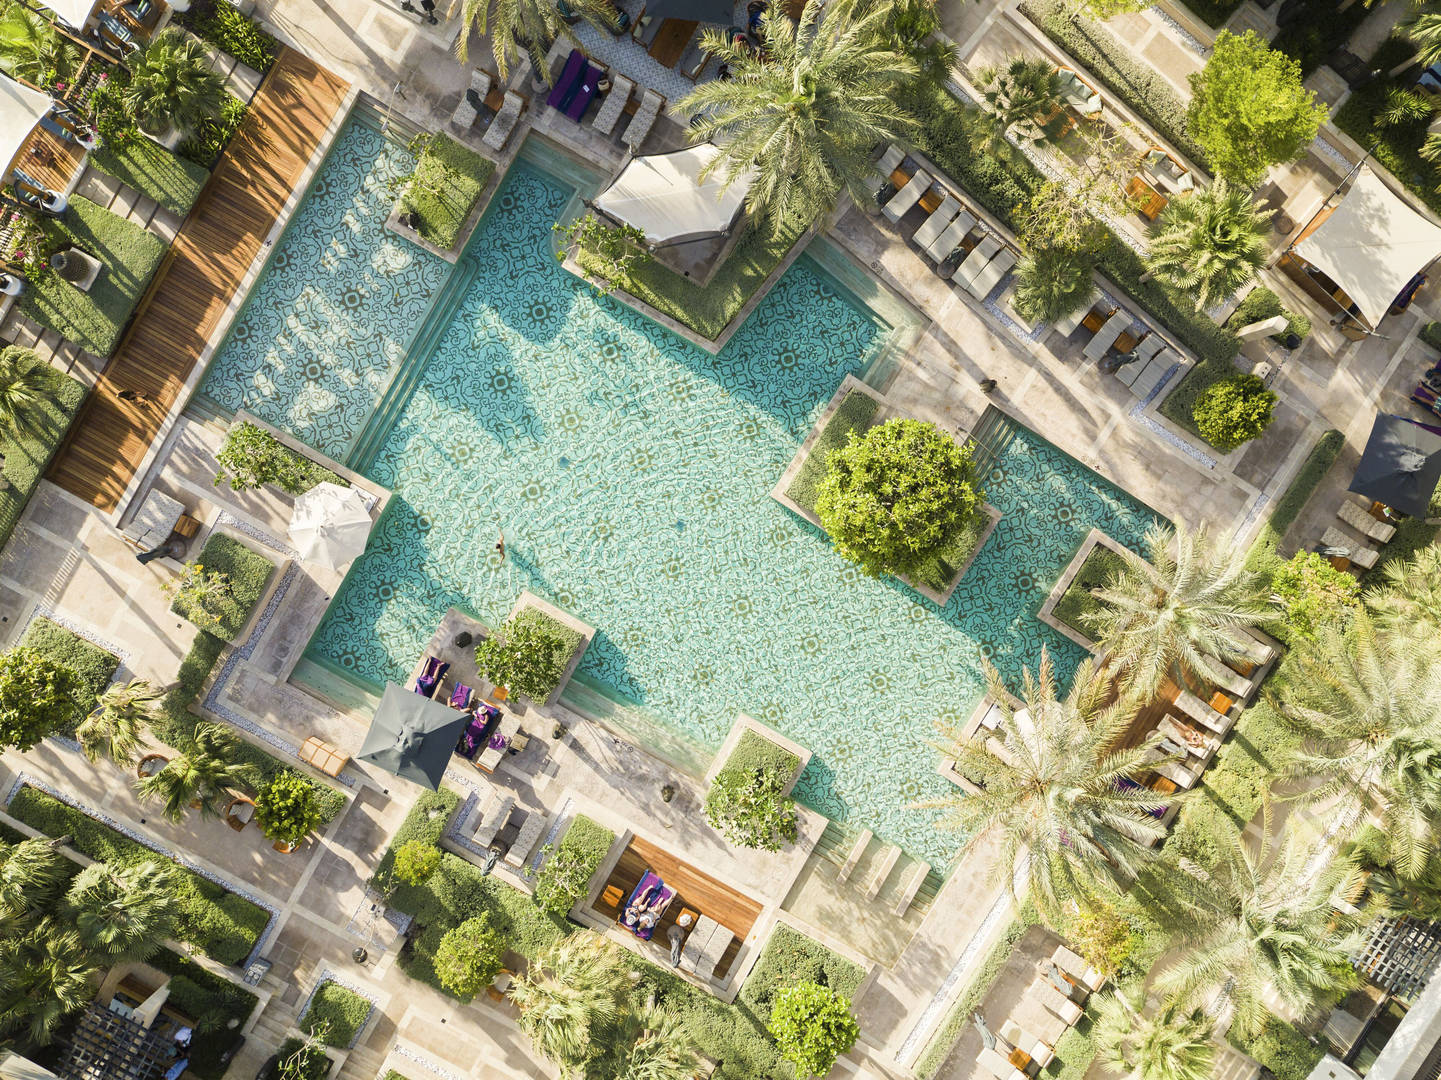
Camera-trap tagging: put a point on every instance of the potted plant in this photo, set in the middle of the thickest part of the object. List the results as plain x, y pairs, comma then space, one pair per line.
286, 809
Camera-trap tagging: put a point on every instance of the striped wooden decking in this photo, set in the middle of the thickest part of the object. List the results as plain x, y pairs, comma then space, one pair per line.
202, 271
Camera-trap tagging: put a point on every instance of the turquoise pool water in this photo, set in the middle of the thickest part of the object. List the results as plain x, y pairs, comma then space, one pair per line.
631, 473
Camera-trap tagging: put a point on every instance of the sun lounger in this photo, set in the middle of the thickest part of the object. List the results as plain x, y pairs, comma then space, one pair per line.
1174, 771
1142, 355
976, 261
1359, 554
1106, 336
504, 123
1155, 371
1364, 523
998, 1065
857, 850
1066, 324
612, 108
1202, 713
568, 81
110, 31
1054, 1000
901, 202
696, 942
471, 102
460, 697
991, 274
1218, 674
640, 124
936, 224
584, 94
430, 676
694, 61
491, 756
554, 59
1076, 967
1024, 1041
1038, 1020
951, 238
714, 951
888, 163
492, 817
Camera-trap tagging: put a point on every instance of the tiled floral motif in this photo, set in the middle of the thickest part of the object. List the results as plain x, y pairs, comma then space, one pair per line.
329, 322
630, 474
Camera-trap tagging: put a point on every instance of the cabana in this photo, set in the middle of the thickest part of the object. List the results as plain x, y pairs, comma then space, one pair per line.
74, 13
21, 111
1356, 256
666, 197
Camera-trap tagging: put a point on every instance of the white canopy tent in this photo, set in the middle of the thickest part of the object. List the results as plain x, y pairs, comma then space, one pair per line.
665, 196
1371, 245
20, 110
75, 13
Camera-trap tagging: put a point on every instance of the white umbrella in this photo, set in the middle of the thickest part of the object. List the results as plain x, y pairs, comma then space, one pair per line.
330, 525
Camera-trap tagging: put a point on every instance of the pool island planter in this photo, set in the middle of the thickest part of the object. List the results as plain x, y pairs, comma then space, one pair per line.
1094, 539
528, 601
743, 724
453, 253
885, 410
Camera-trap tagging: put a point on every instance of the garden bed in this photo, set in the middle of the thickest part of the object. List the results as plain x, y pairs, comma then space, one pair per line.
1394, 146
448, 182
335, 1014
223, 925
855, 413
212, 136
1095, 563
213, 1003
153, 171
248, 571
267, 459
580, 852
574, 637
791, 957
129, 257
27, 455
95, 666
1180, 404
222, 24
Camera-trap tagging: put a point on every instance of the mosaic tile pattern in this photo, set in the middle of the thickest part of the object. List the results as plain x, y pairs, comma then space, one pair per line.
329, 322
630, 474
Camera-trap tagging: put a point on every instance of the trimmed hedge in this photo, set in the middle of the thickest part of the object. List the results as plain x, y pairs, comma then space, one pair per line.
1100, 567
566, 875
221, 924
1262, 557
337, 1010
791, 957
95, 666
153, 171
1260, 304
253, 456
28, 456
754, 751
1282, 1047
212, 1002
249, 573
853, 414
448, 182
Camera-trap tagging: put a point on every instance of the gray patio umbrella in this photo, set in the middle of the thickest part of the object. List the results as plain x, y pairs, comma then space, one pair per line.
412, 736
1400, 466
716, 12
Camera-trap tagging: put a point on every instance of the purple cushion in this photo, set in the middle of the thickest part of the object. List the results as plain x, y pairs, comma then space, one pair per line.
574, 66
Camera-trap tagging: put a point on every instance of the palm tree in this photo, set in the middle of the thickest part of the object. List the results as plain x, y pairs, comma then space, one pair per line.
122, 913
199, 776
1210, 243
27, 391
1169, 1044
569, 995
1409, 597
1424, 30
44, 977
650, 1043
1064, 803
1181, 611
172, 84
801, 122
30, 48
1369, 707
1019, 97
1253, 922
1052, 283
525, 23
115, 729
1395, 896
31, 873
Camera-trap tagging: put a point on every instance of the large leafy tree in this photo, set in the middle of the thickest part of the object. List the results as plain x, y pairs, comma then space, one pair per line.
1181, 611
1209, 243
200, 775
570, 996
532, 25
44, 976
1368, 704
1019, 97
812, 1026
115, 728
802, 121
172, 83
469, 957
1167, 1042
1065, 805
1249, 110
122, 912
1234, 410
37, 697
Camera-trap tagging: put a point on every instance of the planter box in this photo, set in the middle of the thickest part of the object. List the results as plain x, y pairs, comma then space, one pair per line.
745, 723
1095, 538
529, 600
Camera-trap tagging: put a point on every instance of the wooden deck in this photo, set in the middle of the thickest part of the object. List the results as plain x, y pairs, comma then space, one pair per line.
50, 159
201, 273
694, 890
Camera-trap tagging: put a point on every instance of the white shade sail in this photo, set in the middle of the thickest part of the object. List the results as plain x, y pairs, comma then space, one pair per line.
1371, 245
20, 110
330, 525
75, 13
665, 197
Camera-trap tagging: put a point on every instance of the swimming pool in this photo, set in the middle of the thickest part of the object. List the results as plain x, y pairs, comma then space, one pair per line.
630, 473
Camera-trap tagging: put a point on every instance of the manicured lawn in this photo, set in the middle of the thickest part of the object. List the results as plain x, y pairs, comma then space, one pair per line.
938, 570
248, 571
153, 171
448, 182
853, 414
212, 1002
28, 456
130, 256
754, 751
335, 1014
708, 309
1076, 602
95, 666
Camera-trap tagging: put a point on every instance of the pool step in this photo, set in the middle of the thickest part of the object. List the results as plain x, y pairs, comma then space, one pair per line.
884, 865
911, 886
992, 434
858, 848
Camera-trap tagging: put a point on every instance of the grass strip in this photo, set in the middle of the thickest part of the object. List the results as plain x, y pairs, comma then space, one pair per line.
213, 1003
448, 182
95, 666
153, 171
854, 414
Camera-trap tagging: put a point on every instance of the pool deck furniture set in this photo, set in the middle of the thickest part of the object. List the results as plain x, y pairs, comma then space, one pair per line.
1367, 518
577, 83
1052, 1004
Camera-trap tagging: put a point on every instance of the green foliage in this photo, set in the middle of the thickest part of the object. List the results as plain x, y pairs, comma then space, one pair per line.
1249, 109
94, 666
1262, 557
529, 654
894, 496
1396, 147
286, 808
335, 1014
1281, 1047
212, 1001
222, 24
27, 389
1430, 333
1234, 411
210, 137
754, 751
31, 49
751, 810
298, 1059
852, 415
1052, 283
447, 183
1019, 97
416, 860
219, 923
1166, 1043
153, 171
129, 257
790, 958
1312, 593
38, 697
171, 83
1260, 304
1316, 30
425, 825
252, 456
27, 454
1210, 243
614, 252
812, 1025
468, 957
1097, 571
565, 876
225, 612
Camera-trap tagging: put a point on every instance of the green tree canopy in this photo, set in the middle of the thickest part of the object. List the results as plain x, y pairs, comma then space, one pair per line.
123, 912
115, 728
37, 698
750, 809
1020, 97
469, 957
1234, 411
171, 82
1249, 110
1169, 1042
416, 860
1312, 593
528, 655
287, 808
812, 1026
896, 495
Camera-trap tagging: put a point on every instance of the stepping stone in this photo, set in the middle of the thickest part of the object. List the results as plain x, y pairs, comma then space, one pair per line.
165, 224
244, 81
48, 344
143, 211
97, 187
125, 200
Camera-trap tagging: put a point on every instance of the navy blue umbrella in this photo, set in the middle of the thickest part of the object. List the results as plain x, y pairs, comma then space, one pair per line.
1400, 466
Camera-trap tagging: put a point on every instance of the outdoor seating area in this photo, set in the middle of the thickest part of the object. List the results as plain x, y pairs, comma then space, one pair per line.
582, 88
1127, 347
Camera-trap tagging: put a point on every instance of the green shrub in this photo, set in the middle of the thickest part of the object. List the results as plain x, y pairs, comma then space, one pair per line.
252, 456
1234, 411
1396, 147
812, 1026
213, 1002
222, 24
153, 171
415, 861
468, 957
791, 957
565, 877
1281, 1047
754, 751
1313, 594
299, 1060
1097, 571
447, 183
216, 921
852, 415
1430, 333
247, 573
746, 803
287, 809
95, 666
27, 454
529, 654
1260, 304
210, 137
425, 824
335, 1014
1318, 29
38, 698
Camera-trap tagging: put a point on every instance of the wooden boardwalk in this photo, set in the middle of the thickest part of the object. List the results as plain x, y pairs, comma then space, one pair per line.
204, 268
